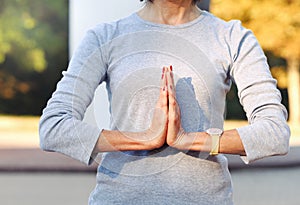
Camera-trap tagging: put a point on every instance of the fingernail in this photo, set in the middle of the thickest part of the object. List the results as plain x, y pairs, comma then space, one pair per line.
171, 67
163, 69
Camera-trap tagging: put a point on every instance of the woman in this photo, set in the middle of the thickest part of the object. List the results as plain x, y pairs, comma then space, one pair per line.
167, 68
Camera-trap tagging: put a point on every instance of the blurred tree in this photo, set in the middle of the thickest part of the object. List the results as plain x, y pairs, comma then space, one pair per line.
33, 38
276, 24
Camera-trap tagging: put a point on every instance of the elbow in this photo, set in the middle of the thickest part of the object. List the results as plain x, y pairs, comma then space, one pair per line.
44, 142
47, 133
285, 147
44, 135
282, 146
44, 147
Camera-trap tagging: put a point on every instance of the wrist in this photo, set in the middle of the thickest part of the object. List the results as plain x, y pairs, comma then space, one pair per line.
198, 141
215, 135
178, 141
153, 139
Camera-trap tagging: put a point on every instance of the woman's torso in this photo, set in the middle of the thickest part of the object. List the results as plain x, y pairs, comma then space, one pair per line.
135, 52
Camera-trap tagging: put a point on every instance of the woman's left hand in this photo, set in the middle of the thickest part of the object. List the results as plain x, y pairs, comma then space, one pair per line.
176, 134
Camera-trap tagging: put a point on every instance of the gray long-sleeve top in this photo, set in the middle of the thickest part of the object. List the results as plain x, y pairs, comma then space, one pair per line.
207, 55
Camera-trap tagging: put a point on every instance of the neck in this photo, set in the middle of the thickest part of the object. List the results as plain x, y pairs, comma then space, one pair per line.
171, 12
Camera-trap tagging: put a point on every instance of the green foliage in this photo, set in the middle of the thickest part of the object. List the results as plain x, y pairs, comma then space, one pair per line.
29, 29
33, 41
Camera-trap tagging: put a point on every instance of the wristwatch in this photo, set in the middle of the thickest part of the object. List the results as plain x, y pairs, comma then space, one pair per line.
215, 134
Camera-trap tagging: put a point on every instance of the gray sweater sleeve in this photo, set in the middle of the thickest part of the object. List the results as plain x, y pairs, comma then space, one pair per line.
268, 132
61, 127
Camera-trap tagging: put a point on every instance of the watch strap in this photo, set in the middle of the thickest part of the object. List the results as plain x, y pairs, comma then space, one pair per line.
215, 143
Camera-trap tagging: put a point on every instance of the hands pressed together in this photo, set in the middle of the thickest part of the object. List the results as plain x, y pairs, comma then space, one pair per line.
166, 123
166, 128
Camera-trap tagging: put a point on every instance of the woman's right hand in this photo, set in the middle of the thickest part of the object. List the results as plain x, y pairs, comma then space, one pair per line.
152, 138
157, 132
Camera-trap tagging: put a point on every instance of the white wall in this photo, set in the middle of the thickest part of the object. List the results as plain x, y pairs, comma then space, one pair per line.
83, 15
87, 13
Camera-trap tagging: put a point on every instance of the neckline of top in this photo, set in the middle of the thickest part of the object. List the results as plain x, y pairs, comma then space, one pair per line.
179, 26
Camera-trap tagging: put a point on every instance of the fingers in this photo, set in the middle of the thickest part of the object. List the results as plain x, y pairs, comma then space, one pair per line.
175, 133
163, 81
167, 98
162, 102
170, 81
173, 106
159, 122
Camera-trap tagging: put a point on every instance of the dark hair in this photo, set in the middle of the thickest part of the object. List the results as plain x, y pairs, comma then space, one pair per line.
194, 1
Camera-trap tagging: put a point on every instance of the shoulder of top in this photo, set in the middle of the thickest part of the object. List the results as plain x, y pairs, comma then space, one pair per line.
110, 30
112, 25
221, 23
227, 28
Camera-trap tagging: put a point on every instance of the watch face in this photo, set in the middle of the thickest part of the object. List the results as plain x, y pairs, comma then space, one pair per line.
214, 131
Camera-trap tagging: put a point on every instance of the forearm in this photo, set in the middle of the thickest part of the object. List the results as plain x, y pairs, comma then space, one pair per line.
152, 138
113, 140
230, 142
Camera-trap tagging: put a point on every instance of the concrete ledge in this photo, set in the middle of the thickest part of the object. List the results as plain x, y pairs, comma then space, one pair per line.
36, 160
292, 159
31, 160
